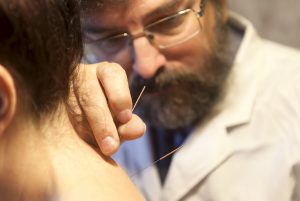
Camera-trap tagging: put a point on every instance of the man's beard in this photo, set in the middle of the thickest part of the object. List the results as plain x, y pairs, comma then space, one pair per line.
178, 98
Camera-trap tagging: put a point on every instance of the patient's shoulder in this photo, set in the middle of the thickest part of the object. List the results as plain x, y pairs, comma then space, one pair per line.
82, 174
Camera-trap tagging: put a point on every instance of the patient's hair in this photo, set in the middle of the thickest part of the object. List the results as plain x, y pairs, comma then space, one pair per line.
40, 44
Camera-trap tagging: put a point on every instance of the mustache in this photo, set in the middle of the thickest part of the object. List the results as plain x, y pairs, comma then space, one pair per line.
163, 79
166, 78
137, 83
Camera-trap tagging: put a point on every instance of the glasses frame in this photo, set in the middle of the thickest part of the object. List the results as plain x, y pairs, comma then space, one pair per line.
150, 36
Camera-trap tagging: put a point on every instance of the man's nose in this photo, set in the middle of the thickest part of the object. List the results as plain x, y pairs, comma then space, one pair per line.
147, 58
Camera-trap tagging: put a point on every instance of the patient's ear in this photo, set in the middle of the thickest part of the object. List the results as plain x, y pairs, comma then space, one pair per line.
7, 98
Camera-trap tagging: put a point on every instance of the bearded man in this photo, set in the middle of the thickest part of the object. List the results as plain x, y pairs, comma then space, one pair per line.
212, 84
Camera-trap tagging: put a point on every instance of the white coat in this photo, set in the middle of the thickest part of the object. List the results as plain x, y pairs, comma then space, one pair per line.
249, 150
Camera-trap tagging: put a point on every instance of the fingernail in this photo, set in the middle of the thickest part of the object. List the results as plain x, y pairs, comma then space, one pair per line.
145, 128
125, 116
108, 145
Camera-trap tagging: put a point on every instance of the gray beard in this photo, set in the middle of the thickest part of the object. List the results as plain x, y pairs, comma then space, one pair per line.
180, 98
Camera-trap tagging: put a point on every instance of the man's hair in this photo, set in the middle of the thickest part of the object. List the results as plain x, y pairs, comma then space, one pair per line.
40, 44
92, 4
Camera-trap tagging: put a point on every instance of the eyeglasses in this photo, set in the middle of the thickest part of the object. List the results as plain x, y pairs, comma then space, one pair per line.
163, 33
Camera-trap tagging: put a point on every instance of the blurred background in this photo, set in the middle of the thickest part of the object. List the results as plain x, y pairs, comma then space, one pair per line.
278, 20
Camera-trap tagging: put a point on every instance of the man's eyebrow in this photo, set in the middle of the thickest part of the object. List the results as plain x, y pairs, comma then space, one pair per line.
97, 28
167, 8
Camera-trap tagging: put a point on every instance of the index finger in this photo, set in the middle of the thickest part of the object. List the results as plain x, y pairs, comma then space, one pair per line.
93, 102
114, 81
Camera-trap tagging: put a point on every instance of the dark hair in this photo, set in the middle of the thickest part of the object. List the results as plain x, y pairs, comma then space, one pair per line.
92, 4
40, 44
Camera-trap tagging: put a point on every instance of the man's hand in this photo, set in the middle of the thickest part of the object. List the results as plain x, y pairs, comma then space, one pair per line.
100, 107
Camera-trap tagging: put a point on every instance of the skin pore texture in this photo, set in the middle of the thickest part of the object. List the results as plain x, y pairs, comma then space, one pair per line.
47, 160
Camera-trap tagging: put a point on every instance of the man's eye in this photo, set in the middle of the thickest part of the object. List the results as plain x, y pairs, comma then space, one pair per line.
173, 22
169, 25
90, 37
113, 45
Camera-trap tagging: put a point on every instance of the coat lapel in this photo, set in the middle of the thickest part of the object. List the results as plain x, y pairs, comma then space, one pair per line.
201, 154
209, 146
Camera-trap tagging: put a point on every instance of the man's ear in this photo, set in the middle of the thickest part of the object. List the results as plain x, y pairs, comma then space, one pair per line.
7, 99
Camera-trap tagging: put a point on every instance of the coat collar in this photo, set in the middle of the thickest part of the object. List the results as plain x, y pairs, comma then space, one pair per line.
208, 150
210, 144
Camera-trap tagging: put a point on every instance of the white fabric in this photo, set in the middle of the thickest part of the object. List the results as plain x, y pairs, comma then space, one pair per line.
250, 149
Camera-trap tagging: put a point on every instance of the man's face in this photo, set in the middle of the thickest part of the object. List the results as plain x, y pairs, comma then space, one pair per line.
182, 81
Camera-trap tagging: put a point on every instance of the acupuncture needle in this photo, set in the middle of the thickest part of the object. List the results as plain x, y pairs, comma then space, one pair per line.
137, 100
161, 158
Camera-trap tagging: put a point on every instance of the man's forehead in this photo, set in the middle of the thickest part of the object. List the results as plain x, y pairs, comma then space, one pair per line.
130, 5
121, 3
103, 14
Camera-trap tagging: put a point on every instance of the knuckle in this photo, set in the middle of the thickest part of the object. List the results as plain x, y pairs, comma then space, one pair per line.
121, 102
111, 70
84, 100
99, 121
101, 128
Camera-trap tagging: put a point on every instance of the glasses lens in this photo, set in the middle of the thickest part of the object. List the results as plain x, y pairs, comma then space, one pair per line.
114, 44
175, 29
107, 49
167, 32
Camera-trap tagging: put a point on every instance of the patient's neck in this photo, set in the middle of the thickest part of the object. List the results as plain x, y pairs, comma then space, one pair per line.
48, 161
26, 157
26, 171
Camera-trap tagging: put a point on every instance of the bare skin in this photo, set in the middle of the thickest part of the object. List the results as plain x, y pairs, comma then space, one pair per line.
45, 159
52, 162
100, 107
